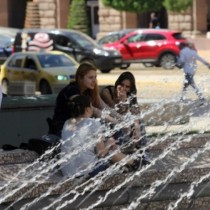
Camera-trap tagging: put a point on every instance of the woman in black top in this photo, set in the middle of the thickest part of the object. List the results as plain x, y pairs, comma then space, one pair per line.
85, 84
122, 97
124, 90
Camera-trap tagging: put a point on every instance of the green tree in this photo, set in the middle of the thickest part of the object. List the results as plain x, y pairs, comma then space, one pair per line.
177, 5
140, 6
78, 16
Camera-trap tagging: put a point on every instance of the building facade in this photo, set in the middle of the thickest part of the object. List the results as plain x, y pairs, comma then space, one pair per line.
54, 14
193, 21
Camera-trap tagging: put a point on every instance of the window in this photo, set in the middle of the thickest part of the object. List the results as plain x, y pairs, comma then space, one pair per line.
29, 63
136, 38
50, 60
16, 61
152, 37
62, 40
178, 36
109, 39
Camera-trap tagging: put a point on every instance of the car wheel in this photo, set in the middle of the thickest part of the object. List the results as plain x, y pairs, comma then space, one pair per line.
45, 88
105, 70
125, 66
5, 86
168, 61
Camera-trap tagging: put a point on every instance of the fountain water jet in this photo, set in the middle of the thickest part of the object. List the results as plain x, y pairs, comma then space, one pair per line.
100, 179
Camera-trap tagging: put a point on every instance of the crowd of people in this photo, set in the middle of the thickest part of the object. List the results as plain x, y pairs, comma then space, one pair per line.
99, 128
79, 120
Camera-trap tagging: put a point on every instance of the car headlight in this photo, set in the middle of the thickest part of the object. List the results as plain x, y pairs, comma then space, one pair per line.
113, 51
62, 77
117, 53
100, 52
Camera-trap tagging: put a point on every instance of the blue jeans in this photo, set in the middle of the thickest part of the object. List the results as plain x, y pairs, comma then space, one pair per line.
99, 167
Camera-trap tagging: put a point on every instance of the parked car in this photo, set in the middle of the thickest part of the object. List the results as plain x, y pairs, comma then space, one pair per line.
77, 44
49, 70
6, 45
158, 47
8, 31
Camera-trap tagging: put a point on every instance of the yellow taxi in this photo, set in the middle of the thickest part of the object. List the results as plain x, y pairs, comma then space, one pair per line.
49, 70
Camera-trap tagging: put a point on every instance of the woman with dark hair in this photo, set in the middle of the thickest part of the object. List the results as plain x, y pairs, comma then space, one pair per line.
124, 89
83, 144
122, 97
85, 84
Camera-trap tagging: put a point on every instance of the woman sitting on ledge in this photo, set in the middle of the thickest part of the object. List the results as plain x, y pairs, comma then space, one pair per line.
122, 97
83, 144
85, 84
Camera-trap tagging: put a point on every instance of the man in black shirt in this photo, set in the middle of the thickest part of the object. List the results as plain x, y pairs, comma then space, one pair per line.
154, 22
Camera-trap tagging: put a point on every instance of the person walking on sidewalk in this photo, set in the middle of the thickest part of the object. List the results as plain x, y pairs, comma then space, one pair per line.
187, 61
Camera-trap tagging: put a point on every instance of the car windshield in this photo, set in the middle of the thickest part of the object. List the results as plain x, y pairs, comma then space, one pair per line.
109, 39
83, 40
6, 41
178, 36
57, 60
113, 37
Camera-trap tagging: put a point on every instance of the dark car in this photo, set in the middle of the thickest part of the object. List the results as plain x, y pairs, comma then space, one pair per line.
159, 47
6, 43
74, 43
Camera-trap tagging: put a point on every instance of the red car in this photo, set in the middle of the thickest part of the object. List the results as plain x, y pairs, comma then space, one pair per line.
159, 47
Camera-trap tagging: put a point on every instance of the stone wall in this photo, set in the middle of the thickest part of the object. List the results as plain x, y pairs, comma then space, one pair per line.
47, 12
109, 20
201, 15
29, 115
180, 21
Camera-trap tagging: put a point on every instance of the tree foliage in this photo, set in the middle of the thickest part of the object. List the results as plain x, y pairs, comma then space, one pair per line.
78, 16
140, 6
137, 6
177, 5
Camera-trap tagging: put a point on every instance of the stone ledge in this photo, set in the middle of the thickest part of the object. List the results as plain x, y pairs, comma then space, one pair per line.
154, 143
159, 170
166, 194
34, 111
17, 156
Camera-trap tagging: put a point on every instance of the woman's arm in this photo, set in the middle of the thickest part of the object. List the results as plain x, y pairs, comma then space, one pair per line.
97, 112
103, 148
107, 98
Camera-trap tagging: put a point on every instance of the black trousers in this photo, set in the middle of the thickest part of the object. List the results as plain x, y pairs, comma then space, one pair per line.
189, 81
